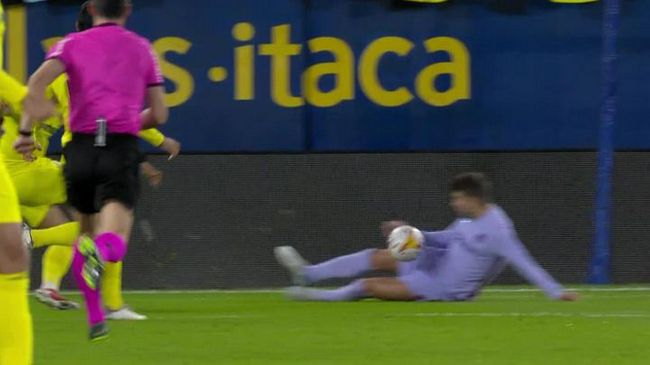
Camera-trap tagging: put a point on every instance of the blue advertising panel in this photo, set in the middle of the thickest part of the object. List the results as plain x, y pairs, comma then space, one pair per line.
358, 75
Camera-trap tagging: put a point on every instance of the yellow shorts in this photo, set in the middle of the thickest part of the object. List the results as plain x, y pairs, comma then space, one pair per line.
9, 211
34, 216
39, 183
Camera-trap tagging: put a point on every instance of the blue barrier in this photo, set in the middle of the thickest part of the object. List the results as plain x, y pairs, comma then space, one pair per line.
360, 75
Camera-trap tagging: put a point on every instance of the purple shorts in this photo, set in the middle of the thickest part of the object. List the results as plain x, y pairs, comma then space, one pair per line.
418, 276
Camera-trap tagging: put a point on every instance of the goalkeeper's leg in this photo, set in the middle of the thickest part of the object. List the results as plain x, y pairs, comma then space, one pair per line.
348, 266
380, 288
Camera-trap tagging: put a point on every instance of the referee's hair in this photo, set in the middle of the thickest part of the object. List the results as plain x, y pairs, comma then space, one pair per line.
111, 9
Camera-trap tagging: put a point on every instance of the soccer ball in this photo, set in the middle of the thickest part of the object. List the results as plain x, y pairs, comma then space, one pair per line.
405, 242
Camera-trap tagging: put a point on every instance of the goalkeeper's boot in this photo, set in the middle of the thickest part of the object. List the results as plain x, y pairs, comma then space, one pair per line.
300, 293
288, 257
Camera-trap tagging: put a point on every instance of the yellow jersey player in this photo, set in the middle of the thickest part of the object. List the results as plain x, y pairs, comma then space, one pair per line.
2, 37
41, 193
15, 319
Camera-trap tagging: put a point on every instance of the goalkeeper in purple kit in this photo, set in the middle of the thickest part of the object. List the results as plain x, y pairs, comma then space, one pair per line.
453, 264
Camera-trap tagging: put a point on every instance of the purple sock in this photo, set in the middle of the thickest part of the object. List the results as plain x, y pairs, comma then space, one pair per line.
348, 266
91, 297
111, 246
353, 291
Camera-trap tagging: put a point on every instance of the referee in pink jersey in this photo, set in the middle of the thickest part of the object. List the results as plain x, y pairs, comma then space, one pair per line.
113, 73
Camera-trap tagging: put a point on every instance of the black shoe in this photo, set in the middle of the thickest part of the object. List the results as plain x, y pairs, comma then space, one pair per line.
98, 332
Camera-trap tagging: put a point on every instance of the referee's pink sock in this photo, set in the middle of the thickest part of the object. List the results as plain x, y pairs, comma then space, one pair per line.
111, 246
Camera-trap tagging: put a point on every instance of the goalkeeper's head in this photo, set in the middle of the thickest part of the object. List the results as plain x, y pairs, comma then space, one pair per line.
470, 194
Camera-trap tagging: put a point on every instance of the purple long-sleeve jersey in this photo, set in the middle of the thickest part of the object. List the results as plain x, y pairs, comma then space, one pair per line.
471, 252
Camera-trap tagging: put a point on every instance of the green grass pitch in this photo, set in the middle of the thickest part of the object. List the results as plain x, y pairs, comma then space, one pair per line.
502, 327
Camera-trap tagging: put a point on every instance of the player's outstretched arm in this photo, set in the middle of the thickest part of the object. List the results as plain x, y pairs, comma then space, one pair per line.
171, 146
35, 105
152, 136
388, 226
155, 138
516, 254
153, 175
439, 240
430, 236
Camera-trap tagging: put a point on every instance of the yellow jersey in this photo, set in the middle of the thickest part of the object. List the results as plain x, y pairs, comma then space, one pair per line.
2, 37
8, 199
12, 92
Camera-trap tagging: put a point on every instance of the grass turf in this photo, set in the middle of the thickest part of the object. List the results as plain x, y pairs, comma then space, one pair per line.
605, 327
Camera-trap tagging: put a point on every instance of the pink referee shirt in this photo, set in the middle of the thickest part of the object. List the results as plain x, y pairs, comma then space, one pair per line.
109, 69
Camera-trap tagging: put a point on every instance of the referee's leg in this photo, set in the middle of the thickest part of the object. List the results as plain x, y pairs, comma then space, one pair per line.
88, 261
117, 218
117, 195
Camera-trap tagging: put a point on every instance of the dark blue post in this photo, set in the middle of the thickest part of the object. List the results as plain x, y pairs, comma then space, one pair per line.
599, 271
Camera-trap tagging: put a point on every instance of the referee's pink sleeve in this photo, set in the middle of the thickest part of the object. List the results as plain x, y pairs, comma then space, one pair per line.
154, 76
61, 50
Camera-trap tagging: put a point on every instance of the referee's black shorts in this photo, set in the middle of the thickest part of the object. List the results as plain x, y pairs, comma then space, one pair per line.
95, 175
